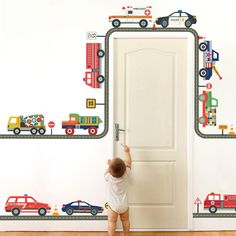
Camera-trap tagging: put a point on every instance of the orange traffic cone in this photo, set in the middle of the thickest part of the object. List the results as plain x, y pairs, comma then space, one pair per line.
55, 211
231, 132
154, 26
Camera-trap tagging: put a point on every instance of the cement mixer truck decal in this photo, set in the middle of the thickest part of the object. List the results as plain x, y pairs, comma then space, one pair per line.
32, 123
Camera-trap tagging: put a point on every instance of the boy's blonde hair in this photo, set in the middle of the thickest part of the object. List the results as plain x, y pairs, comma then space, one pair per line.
117, 167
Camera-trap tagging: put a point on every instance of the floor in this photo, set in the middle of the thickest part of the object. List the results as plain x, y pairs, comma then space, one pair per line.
220, 233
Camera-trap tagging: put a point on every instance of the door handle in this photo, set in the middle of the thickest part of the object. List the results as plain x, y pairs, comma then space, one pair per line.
117, 131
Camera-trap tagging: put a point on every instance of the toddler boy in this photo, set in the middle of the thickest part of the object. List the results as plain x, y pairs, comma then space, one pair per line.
117, 176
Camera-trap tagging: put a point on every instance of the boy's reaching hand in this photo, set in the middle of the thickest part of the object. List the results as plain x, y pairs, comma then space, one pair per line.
128, 160
126, 148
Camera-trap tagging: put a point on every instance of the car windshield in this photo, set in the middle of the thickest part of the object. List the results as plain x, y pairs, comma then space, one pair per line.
84, 204
184, 14
30, 199
74, 204
175, 14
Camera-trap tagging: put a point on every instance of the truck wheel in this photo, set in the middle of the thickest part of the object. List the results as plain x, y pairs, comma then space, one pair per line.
42, 211
188, 23
143, 23
69, 131
16, 131
15, 211
212, 209
115, 23
100, 79
202, 47
202, 120
42, 131
92, 130
203, 73
94, 212
202, 98
100, 53
33, 131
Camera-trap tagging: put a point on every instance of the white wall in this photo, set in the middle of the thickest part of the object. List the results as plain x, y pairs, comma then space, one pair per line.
42, 45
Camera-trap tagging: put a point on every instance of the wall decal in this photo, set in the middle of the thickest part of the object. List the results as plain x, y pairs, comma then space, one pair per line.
216, 205
51, 125
81, 207
90, 123
210, 56
26, 204
32, 123
27, 208
209, 105
132, 15
177, 18
55, 211
94, 53
223, 128
231, 132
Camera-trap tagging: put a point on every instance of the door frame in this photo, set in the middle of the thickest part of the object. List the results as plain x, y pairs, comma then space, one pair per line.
192, 71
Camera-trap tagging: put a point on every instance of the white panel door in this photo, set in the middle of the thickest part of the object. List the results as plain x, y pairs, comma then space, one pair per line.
150, 93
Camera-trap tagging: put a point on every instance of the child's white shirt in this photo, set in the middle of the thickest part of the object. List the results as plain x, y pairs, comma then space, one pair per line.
118, 191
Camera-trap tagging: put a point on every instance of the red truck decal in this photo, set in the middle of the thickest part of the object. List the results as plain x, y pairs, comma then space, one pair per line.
213, 202
93, 77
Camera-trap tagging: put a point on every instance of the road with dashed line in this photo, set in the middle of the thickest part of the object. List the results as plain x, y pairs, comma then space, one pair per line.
54, 218
215, 215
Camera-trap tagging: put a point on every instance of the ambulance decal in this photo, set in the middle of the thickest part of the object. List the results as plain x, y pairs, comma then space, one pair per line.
132, 15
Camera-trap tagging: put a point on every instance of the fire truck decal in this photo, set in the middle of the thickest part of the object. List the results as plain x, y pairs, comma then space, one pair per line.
216, 205
93, 77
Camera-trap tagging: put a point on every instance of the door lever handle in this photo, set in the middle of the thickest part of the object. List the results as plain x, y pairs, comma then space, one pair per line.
117, 131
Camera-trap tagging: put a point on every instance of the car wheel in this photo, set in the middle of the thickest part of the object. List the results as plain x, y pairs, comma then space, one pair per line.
213, 209
100, 79
69, 211
116, 23
33, 131
164, 23
203, 73
143, 23
188, 23
16, 131
15, 211
100, 53
42, 131
203, 47
94, 212
42, 211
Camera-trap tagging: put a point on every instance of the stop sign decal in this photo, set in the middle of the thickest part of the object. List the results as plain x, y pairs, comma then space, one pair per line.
51, 124
208, 85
